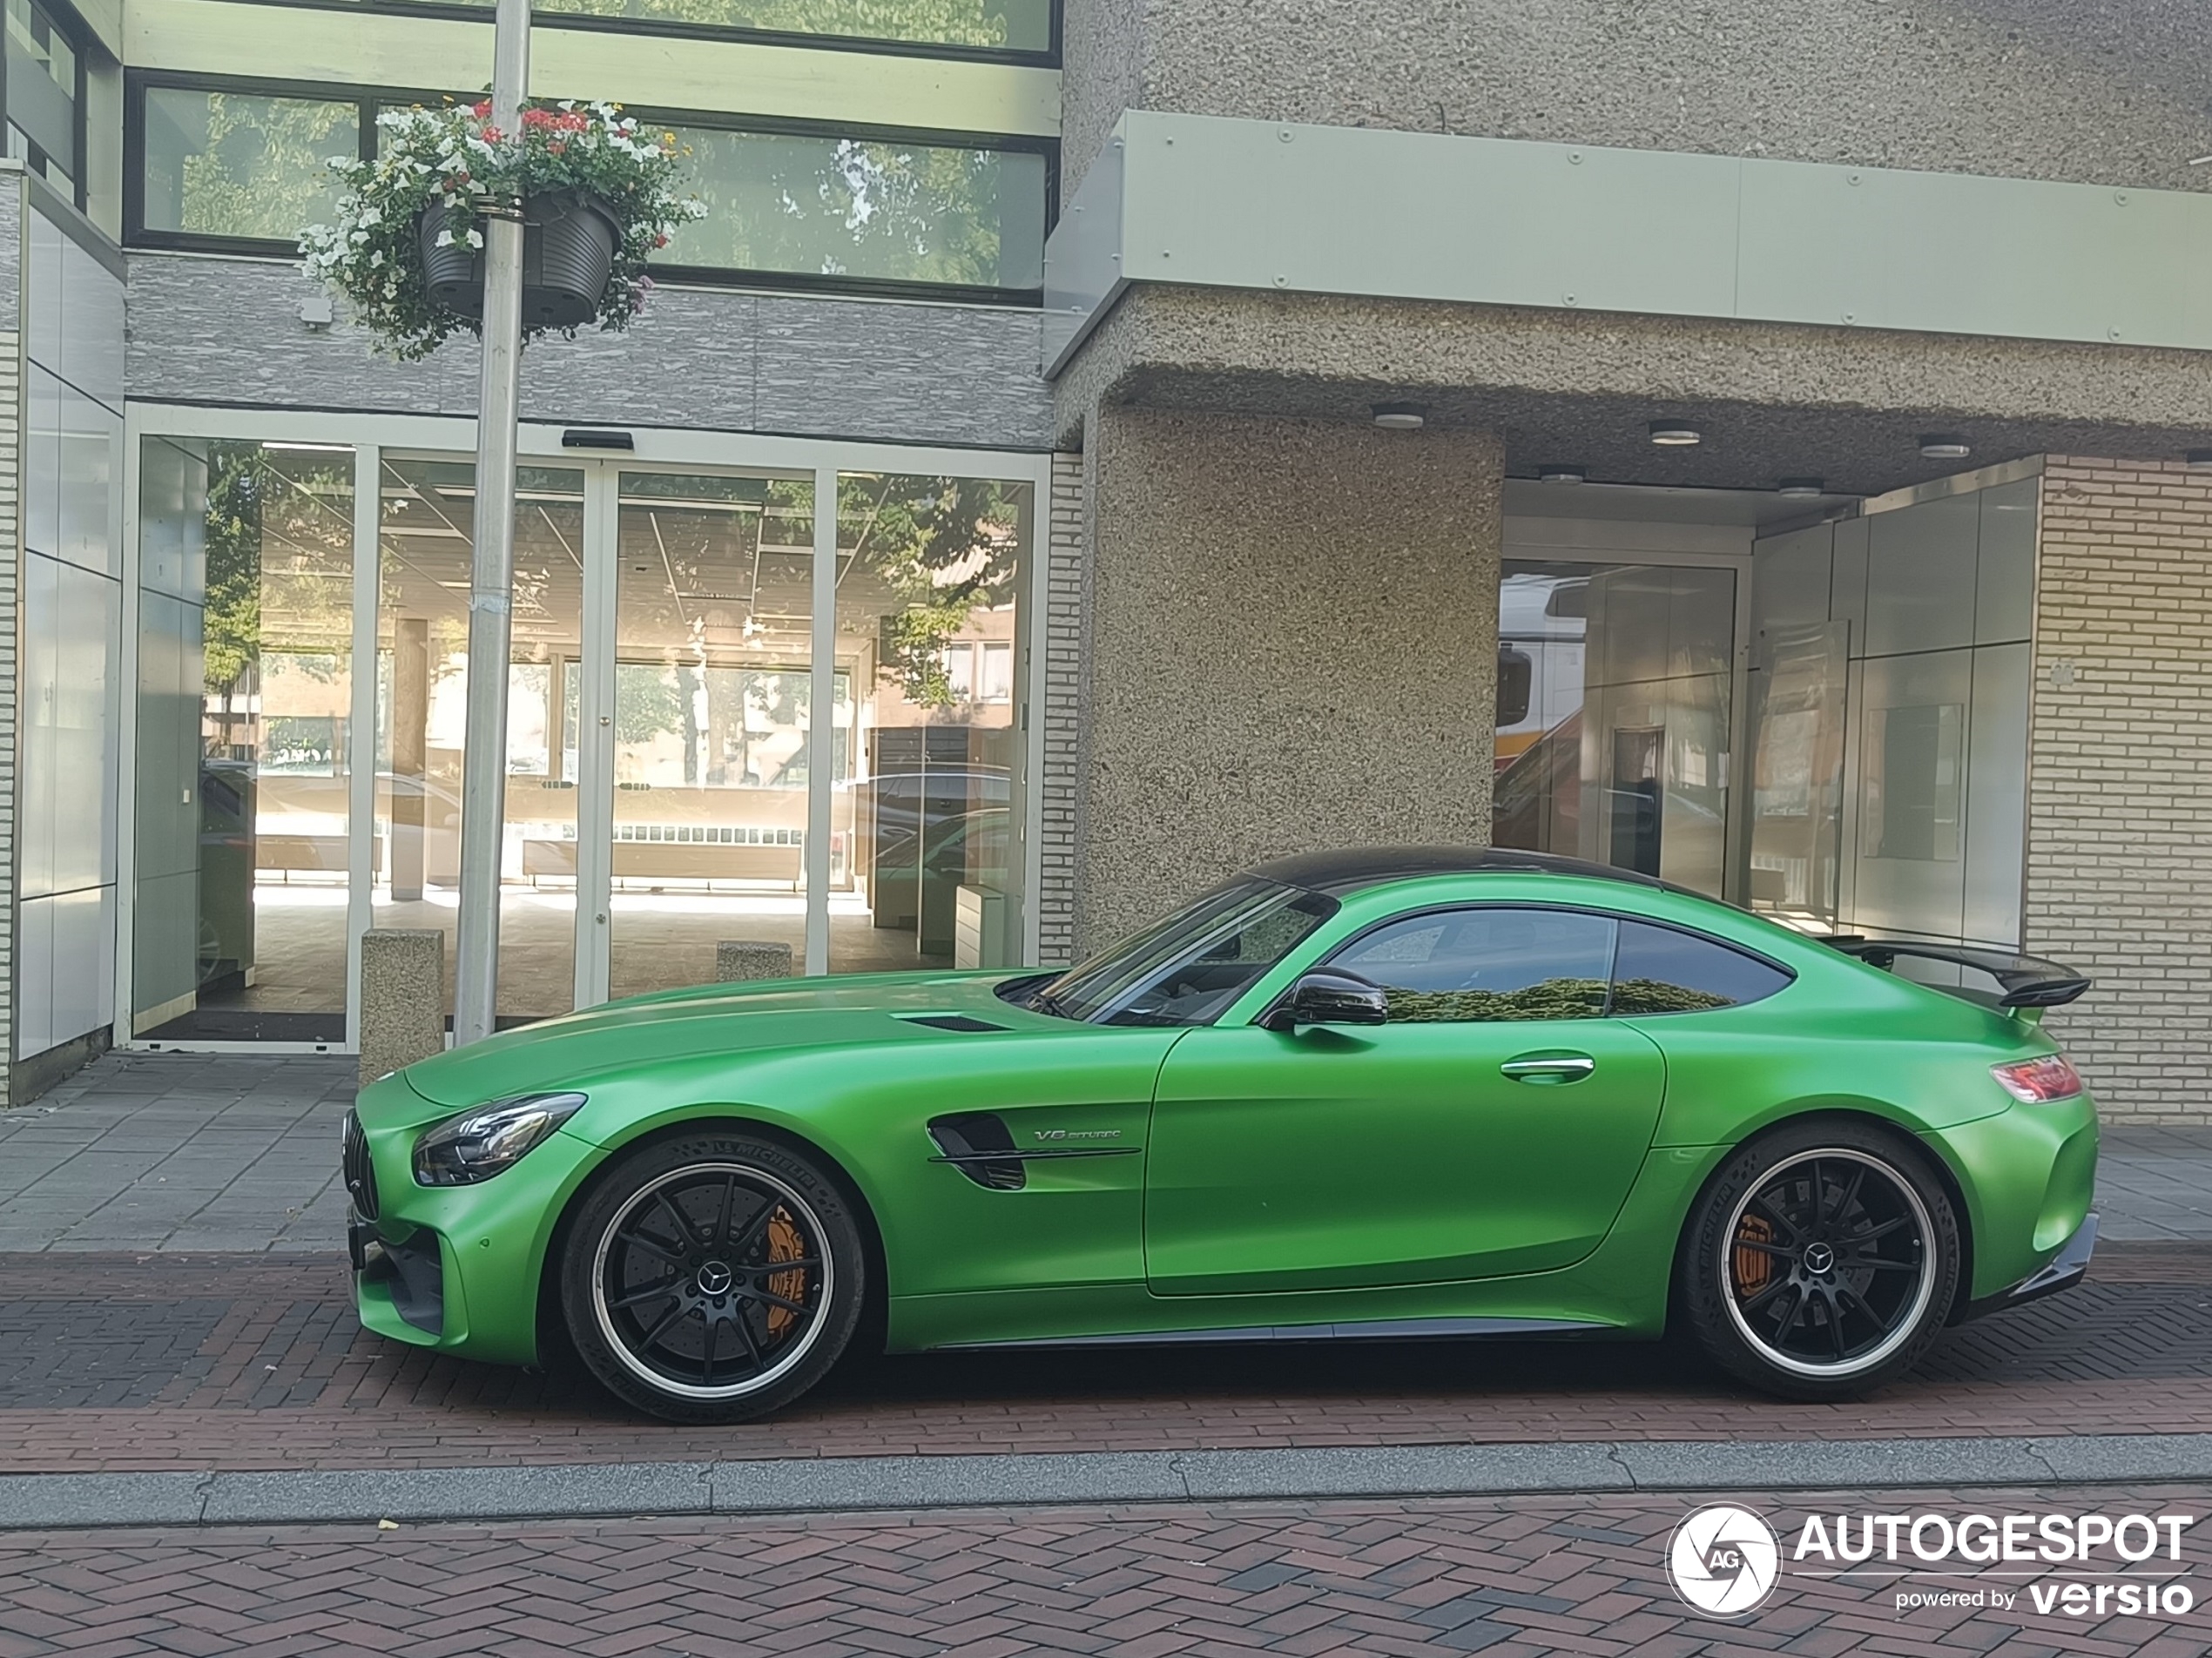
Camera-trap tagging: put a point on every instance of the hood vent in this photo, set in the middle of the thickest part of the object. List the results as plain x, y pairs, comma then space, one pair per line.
950, 1021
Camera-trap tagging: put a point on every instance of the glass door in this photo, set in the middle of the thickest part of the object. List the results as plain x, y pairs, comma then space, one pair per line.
425, 543
712, 708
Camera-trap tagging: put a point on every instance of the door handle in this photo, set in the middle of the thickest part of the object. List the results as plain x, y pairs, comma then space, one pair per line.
1549, 1069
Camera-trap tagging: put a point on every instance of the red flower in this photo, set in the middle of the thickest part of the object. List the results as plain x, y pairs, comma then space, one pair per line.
660, 241
481, 109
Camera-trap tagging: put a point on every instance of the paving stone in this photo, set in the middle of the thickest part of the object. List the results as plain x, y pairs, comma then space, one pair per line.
1519, 1575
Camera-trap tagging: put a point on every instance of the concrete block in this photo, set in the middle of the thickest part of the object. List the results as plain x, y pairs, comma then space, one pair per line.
403, 1010
736, 960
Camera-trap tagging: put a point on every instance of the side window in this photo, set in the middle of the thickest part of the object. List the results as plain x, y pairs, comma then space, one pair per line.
1488, 964
1661, 971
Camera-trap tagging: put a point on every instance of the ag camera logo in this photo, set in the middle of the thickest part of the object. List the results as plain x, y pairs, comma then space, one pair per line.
1724, 1560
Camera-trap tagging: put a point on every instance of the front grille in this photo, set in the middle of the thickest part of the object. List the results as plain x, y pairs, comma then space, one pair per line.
360, 1173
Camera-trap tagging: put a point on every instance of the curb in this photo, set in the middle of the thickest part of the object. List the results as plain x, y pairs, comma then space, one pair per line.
830, 1485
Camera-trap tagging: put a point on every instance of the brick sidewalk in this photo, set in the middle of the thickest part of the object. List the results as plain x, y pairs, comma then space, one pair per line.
1513, 1577
174, 1362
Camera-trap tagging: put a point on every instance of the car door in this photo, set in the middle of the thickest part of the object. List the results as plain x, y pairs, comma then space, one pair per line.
1492, 1126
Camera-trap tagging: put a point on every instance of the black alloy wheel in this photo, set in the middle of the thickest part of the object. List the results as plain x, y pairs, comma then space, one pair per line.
712, 1279
1822, 1261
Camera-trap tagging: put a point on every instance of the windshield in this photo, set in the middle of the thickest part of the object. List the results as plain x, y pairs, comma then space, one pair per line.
1187, 969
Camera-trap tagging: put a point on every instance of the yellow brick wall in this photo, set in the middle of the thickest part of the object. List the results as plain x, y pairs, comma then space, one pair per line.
2120, 787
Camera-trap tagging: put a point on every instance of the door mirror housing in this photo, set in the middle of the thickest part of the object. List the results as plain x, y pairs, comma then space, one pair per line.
1329, 996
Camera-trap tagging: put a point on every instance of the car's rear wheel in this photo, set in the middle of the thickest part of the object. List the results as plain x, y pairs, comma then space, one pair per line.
713, 1278
1821, 1260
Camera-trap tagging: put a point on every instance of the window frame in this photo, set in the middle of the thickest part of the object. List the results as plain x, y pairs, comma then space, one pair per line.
756, 280
136, 84
61, 15
1612, 967
1049, 58
369, 100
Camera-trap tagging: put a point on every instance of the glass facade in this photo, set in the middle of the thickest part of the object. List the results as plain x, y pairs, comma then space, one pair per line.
1616, 687
872, 210
1891, 677
222, 166
244, 748
665, 765
923, 807
240, 166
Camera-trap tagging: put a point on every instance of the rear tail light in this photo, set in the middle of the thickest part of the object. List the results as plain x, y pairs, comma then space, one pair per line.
2038, 1080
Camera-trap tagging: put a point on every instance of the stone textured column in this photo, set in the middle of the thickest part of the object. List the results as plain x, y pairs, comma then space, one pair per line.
1290, 644
403, 1001
737, 960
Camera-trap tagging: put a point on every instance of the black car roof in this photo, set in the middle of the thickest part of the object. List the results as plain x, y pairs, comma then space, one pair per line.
1335, 874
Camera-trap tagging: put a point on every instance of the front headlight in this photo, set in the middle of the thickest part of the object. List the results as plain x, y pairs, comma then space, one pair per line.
490, 1139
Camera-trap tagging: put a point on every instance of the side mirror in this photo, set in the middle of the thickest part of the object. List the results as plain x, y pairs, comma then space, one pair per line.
1330, 996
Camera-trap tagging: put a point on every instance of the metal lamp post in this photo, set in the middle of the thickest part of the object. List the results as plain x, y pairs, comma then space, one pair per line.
484, 786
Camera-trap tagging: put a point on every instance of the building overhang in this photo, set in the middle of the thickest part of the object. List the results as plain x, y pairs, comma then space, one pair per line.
1207, 202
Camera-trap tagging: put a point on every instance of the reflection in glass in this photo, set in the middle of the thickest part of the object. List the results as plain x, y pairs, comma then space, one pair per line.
925, 860
1612, 744
1914, 770
426, 543
244, 747
1460, 967
867, 208
1657, 970
714, 693
237, 164
1797, 773
1010, 25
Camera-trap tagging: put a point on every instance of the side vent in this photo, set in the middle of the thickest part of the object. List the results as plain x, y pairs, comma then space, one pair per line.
950, 1021
978, 1144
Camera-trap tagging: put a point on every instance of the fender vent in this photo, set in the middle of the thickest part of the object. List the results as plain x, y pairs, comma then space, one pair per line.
968, 1140
950, 1021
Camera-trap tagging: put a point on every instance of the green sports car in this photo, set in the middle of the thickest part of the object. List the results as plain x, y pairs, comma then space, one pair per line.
1351, 1096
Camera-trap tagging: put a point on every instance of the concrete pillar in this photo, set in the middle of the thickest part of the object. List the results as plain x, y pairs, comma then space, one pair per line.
403, 1000
1292, 645
410, 752
736, 960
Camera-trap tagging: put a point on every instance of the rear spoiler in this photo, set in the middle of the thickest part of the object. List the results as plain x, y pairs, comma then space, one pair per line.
2022, 980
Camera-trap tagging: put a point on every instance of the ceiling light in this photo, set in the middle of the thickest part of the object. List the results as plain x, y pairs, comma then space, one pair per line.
2199, 457
1800, 487
1401, 417
1560, 473
1939, 446
1675, 435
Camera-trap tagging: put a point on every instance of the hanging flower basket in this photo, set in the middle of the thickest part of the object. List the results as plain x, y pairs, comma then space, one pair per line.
569, 241
598, 196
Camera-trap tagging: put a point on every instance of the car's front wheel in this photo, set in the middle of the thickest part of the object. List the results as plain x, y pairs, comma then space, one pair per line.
713, 1278
1821, 1260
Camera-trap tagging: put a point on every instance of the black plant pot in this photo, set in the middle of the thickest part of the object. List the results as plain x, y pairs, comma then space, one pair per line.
569, 242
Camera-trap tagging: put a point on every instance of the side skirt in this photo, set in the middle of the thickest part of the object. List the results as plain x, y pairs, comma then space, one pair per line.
1366, 1330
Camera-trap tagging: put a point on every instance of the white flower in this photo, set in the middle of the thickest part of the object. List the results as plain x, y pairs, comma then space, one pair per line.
475, 239
375, 258
445, 238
